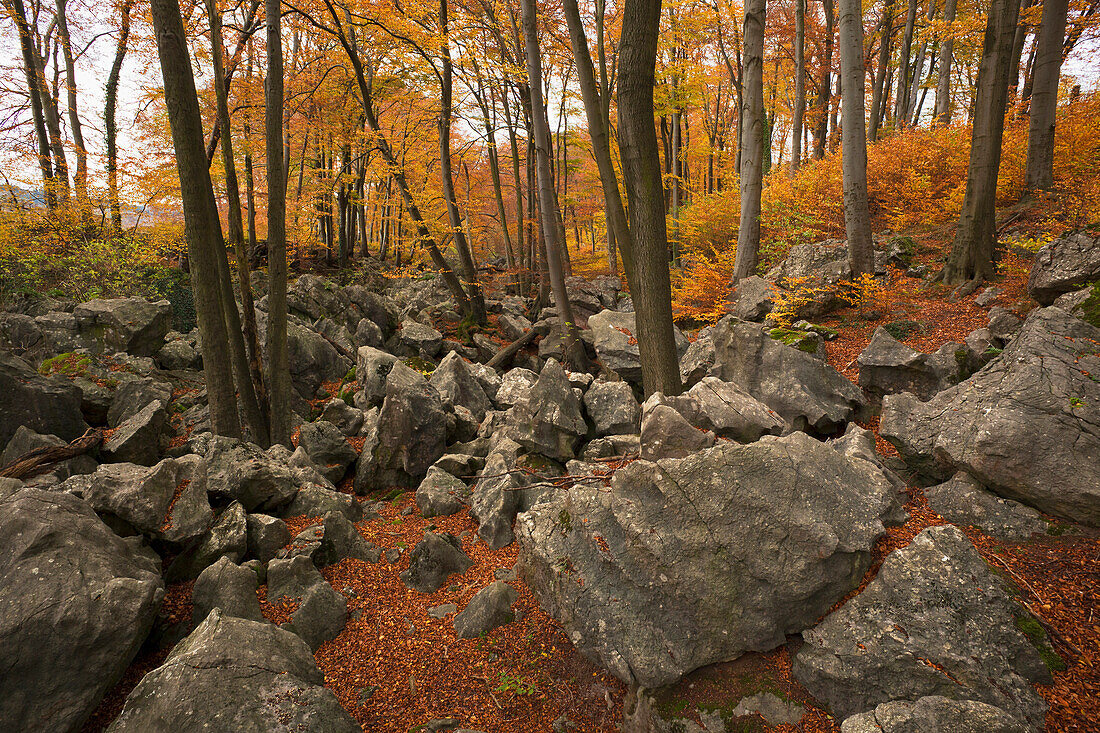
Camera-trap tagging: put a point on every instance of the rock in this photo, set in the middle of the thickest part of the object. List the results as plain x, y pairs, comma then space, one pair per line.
266, 536
726, 410
316, 501
139, 439
1077, 303
754, 299
495, 497
133, 395
228, 537
178, 355
457, 385
988, 297
821, 266
1004, 324
165, 502
48, 405
613, 408
229, 587
612, 446
76, 603
490, 608
805, 391
411, 434
235, 674
372, 367
934, 713
548, 419
328, 447
438, 494
321, 612
1064, 265
341, 540
133, 325
514, 385
460, 465
773, 709
888, 366
347, 419
513, 327
442, 610
367, 333
311, 358
247, 473
697, 360
304, 544
934, 621
420, 340
685, 563
666, 434
433, 560
612, 335
1027, 426
26, 440
963, 501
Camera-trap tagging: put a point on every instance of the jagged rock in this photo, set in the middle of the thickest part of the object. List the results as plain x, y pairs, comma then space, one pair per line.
227, 586
457, 385
513, 326
684, 563
133, 325
934, 713
612, 334
1003, 324
888, 366
726, 410
934, 621
266, 536
347, 419
495, 501
48, 405
76, 603
411, 434
317, 501
133, 394
372, 368
439, 492
367, 333
490, 608
548, 418
460, 465
235, 674
341, 540
245, 472
963, 501
666, 434
613, 408
433, 560
138, 439
166, 501
314, 298
1063, 266
514, 385
25, 440
420, 340
773, 709
697, 360
305, 544
328, 448
754, 299
228, 537
178, 354
1027, 426
801, 387
321, 612
612, 446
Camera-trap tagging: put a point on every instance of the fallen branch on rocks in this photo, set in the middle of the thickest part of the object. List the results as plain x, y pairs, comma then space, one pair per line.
503, 356
39, 460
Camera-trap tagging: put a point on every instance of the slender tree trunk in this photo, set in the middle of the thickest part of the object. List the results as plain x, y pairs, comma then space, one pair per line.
972, 254
201, 223
53, 127
878, 102
110, 122
942, 114
824, 92
1044, 99
80, 180
901, 101
857, 218
278, 358
753, 132
650, 285
799, 83
35, 93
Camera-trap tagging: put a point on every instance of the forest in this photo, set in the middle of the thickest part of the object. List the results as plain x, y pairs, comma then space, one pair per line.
491, 366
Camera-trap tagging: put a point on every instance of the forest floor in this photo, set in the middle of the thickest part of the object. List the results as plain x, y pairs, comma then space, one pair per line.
396, 667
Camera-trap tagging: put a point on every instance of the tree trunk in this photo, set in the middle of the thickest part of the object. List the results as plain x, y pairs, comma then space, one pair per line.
753, 132
799, 83
942, 114
80, 180
1044, 99
110, 122
857, 219
572, 348
878, 101
35, 93
972, 254
278, 358
901, 102
650, 285
824, 92
201, 224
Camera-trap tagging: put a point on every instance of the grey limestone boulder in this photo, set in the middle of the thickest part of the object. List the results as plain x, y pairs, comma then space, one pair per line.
1064, 265
490, 608
934, 713
548, 419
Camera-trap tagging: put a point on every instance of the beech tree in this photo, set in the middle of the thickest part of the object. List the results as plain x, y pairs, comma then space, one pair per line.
857, 217
753, 130
1044, 95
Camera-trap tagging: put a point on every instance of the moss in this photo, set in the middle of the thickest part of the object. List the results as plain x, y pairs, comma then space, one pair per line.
798, 339
565, 520
423, 366
70, 364
962, 361
1034, 632
350, 376
1054, 529
902, 330
1090, 308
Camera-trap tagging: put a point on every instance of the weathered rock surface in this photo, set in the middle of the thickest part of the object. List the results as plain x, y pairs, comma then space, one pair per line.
457, 385
433, 560
489, 608
139, 439
612, 333
962, 500
727, 411
229, 587
514, 386
321, 612
1063, 266
76, 603
317, 501
934, 713
164, 501
934, 621
613, 408
49, 405
328, 447
239, 675
341, 540
1027, 426
438, 494
548, 419
247, 473
754, 299
133, 325
667, 434
266, 536
228, 537
688, 562
887, 366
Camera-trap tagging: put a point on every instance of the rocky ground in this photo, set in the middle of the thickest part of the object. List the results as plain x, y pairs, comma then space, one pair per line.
855, 518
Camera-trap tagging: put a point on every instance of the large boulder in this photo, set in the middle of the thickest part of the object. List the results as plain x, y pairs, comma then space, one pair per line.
963, 501
434, 559
239, 675
26, 440
934, 713
1027, 426
328, 448
372, 368
805, 391
514, 385
320, 612
612, 408
934, 621
548, 419
76, 603
887, 366
229, 587
249, 474
411, 434
612, 334
754, 299
685, 563
1063, 266
726, 410
49, 405
490, 608
140, 438
133, 325
457, 385
665, 433
439, 494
